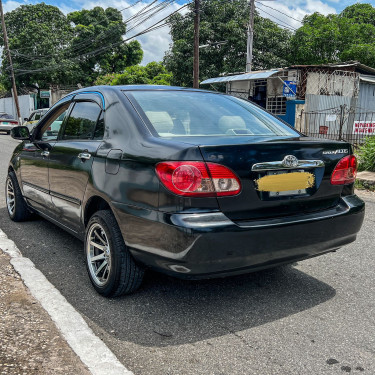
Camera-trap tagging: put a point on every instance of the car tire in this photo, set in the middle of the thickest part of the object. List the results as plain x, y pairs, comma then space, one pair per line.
120, 274
16, 205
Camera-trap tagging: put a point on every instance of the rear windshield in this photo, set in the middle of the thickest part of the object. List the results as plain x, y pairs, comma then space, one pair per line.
6, 116
189, 113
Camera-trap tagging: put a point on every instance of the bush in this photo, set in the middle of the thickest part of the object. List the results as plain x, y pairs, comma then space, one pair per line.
152, 74
366, 155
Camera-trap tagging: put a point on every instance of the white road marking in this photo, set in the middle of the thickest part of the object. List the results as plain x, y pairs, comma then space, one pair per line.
89, 348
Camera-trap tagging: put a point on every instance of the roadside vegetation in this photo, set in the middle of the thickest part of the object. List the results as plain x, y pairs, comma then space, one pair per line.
321, 39
366, 155
87, 46
152, 74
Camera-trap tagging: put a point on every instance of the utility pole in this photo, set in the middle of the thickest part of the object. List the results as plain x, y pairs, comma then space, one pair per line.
6, 46
250, 38
196, 44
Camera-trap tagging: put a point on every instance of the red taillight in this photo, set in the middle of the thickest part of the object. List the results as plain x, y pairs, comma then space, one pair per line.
198, 179
345, 171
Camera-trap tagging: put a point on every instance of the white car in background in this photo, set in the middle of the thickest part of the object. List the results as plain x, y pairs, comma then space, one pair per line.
7, 122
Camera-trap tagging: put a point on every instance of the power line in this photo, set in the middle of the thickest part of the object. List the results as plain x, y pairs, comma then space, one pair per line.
82, 45
286, 24
285, 14
97, 52
102, 35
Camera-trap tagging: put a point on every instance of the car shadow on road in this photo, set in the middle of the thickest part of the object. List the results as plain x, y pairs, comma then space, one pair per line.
166, 311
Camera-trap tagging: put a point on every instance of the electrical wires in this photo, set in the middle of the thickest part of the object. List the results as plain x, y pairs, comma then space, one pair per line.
282, 22
140, 17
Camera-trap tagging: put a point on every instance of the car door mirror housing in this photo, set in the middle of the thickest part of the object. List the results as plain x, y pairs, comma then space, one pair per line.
20, 132
26, 119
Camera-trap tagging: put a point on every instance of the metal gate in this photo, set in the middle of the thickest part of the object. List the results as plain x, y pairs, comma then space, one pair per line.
341, 123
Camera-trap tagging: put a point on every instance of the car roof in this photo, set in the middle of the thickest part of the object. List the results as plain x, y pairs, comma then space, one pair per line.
106, 89
136, 88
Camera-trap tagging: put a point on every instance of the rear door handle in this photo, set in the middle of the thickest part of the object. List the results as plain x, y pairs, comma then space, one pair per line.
45, 153
84, 155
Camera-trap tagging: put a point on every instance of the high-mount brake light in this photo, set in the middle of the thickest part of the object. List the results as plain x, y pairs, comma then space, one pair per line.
345, 171
198, 179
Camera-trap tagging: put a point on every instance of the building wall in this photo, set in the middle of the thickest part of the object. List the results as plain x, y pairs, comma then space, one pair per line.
26, 103
337, 84
57, 94
366, 100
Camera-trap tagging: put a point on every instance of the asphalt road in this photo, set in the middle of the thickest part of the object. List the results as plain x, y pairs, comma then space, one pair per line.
315, 317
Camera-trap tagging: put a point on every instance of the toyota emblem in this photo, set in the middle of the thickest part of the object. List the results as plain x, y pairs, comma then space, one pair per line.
290, 161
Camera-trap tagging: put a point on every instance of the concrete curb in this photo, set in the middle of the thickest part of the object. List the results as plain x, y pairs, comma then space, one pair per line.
367, 179
89, 348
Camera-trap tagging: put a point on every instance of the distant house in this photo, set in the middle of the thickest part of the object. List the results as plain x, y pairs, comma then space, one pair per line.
331, 100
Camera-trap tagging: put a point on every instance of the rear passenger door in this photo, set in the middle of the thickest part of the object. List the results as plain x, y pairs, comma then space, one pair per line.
71, 160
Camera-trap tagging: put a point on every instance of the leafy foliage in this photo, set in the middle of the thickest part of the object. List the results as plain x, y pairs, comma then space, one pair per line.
333, 38
366, 155
36, 31
49, 47
224, 20
94, 31
153, 73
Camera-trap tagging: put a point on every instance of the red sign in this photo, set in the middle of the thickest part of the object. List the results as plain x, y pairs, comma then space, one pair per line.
363, 127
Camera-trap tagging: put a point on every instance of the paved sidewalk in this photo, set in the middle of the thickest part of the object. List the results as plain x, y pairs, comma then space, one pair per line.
30, 343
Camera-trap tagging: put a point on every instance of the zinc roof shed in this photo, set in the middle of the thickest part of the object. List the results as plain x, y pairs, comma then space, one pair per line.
261, 74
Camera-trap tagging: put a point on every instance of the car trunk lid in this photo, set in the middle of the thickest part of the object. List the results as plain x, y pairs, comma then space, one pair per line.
272, 189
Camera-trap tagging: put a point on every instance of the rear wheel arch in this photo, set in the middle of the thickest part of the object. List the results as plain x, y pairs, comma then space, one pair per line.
94, 204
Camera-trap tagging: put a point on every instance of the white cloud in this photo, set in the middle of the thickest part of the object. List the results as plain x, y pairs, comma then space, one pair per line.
11, 5
289, 12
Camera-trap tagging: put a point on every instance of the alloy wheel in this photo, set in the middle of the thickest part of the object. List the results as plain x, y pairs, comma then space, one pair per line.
98, 254
10, 197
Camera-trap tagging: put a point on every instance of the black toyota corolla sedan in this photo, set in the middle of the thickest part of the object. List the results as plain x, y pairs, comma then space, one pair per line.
192, 183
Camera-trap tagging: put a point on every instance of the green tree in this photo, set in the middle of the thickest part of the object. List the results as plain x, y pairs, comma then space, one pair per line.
333, 38
224, 20
98, 39
153, 73
49, 47
34, 32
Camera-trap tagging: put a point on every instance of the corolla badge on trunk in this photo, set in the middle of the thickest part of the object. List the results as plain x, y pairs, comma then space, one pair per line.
334, 152
290, 161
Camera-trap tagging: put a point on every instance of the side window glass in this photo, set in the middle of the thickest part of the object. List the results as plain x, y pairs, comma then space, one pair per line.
51, 129
99, 130
82, 121
37, 116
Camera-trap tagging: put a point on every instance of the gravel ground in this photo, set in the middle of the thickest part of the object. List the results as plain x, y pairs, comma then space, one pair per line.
29, 341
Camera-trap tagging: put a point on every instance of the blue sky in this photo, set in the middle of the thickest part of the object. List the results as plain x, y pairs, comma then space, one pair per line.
156, 43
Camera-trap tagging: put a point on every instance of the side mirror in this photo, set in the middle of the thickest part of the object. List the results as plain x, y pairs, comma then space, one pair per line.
20, 132
25, 119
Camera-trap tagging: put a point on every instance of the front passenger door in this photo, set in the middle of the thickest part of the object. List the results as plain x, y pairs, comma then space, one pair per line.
71, 160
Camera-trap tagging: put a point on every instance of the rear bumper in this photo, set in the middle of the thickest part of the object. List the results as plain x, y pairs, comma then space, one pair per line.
208, 245
6, 128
